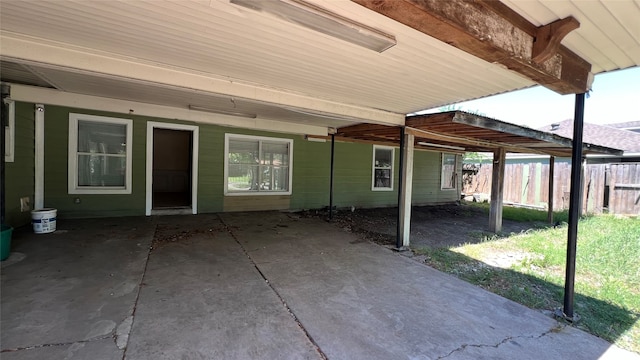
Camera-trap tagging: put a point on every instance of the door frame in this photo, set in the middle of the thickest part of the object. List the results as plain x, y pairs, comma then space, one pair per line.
195, 130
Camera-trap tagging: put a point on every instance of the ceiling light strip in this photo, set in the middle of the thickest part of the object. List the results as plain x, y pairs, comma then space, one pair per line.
324, 21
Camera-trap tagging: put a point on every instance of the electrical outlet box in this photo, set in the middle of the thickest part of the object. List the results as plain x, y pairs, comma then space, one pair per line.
25, 204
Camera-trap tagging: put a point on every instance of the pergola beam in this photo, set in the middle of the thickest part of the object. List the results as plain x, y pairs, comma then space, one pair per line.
492, 31
464, 141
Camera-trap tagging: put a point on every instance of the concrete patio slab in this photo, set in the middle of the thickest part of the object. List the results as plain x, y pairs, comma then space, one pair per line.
76, 284
203, 299
254, 286
358, 300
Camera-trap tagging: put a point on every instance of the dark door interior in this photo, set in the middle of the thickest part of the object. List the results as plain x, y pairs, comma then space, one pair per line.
171, 168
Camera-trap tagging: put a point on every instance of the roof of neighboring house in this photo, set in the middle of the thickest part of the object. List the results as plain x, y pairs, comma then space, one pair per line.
626, 125
603, 135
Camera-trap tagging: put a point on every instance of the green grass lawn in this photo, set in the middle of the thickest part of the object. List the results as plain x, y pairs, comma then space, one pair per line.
529, 268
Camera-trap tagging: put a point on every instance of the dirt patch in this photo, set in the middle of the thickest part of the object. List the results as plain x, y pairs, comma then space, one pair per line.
441, 226
166, 234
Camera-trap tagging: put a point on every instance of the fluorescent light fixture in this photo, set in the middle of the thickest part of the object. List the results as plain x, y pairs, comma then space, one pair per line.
222, 112
322, 20
314, 139
441, 146
322, 114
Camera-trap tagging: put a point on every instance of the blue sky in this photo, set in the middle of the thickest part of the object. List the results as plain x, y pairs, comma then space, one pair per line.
615, 97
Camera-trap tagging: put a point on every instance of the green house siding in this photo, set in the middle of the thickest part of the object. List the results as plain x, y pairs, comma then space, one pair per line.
20, 173
310, 185
427, 172
352, 179
210, 169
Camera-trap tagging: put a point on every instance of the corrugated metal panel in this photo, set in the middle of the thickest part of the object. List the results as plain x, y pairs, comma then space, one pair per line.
240, 44
218, 39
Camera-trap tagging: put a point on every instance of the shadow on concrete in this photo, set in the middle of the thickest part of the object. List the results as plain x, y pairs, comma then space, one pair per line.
433, 226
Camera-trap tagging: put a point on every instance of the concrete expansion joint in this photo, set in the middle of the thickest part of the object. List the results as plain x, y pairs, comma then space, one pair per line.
555, 329
287, 308
39, 346
123, 330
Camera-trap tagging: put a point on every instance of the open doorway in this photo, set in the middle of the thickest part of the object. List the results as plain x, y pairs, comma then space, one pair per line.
171, 169
171, 186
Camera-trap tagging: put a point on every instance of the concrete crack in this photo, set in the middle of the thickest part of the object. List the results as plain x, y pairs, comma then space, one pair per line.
291, 313
123, 330
462, 347
69, 343
120, 334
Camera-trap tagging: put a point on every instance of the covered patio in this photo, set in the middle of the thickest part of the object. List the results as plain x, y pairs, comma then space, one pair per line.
294, 67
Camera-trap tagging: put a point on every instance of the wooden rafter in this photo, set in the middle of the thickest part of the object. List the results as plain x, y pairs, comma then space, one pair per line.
457, 129
490, 30
464, 141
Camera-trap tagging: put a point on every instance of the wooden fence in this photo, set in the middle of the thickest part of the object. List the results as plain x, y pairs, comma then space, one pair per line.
613, 188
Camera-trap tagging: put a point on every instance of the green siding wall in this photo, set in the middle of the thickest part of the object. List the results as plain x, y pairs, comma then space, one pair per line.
311, 171
20, 173
210, 169
427, 170
353, 168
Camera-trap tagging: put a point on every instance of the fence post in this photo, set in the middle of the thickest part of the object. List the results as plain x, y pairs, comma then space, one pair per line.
552, 165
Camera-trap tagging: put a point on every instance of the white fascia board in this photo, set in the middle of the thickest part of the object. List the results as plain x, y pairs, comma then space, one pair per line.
35, 94
605, 156
28, 50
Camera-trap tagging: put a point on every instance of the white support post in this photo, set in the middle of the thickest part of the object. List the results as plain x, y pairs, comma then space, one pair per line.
497, 189
38, 195
406, 177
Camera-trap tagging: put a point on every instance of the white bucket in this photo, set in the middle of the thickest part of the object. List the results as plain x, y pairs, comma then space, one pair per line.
44, 220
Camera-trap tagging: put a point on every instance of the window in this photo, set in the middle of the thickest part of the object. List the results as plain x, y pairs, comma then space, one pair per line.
9, 132
382, 176
448, 180
99, 155
257, 165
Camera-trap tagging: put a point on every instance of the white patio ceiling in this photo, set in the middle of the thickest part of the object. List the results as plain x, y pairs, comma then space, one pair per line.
219, 55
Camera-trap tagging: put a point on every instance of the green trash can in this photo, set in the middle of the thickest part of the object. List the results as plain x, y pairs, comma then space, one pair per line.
5, 244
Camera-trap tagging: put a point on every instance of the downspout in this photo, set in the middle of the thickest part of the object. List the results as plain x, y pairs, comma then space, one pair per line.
575, 206
333, 147
399, 241
6, 92
38, 196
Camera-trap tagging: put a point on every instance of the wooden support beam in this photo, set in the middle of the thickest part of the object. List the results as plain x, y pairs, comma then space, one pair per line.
406, 177
497, 188
493, 32
548, 37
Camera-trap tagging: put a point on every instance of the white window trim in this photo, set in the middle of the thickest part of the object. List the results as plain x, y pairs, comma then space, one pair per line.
228, 136
73, 187
455, 172
373, 167
10, 132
